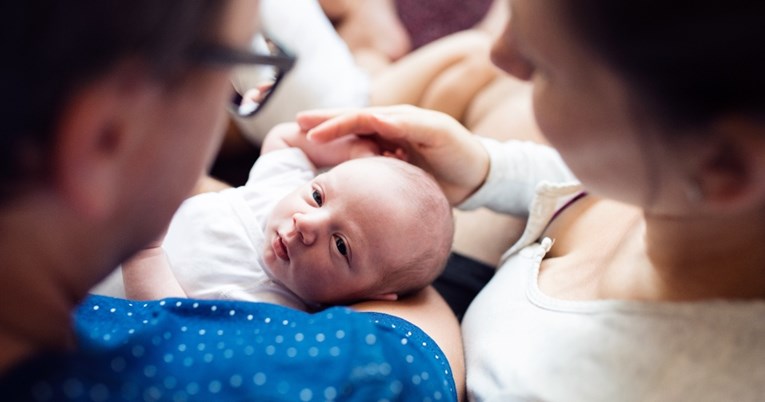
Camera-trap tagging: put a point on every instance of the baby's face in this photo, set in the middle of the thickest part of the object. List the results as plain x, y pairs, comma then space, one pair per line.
329, 240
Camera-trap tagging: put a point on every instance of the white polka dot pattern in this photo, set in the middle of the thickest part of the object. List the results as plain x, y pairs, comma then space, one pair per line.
193, 350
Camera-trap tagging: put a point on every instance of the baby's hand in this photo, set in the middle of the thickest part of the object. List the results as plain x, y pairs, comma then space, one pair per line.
326, 154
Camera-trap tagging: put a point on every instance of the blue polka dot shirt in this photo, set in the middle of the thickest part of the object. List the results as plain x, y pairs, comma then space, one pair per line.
202, 350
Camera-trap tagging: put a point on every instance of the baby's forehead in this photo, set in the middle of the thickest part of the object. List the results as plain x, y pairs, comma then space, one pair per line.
371, 162
381, 167
374, 182
373, 190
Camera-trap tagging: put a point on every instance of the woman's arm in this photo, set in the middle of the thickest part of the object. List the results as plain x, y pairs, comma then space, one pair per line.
460, 161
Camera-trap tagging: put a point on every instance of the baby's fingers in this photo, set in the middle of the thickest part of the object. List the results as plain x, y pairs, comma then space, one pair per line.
364, 149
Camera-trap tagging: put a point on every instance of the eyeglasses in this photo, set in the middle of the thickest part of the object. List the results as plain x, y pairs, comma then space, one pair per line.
257, 73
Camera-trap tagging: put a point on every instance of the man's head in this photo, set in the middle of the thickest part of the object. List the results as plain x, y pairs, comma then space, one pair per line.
109, 120
58, 49
372, 228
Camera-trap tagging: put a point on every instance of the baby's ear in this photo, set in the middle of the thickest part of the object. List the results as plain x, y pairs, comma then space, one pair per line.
385, 297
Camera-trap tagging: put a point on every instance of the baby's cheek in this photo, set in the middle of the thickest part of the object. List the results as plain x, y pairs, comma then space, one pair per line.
327, 289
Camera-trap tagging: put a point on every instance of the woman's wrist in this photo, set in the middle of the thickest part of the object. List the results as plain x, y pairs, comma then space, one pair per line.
477, 161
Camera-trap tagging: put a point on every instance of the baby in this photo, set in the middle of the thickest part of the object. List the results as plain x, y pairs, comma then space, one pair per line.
369, 228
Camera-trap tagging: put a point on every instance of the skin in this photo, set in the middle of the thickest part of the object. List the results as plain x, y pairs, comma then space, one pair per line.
637, 235
454, 75
115, 186
148, 274
348, 208
62, 237
652, 227
576, 102
372, 31
331, 241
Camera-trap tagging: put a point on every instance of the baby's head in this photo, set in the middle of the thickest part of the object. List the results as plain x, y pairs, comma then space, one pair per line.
371, 228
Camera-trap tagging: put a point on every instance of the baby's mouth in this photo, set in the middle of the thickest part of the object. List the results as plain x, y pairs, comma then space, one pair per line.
280, 249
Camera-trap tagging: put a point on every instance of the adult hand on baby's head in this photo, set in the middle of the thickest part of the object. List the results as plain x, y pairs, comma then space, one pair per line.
431, 140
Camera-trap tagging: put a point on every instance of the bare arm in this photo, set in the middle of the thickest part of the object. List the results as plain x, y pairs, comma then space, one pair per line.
444, 75
148, 276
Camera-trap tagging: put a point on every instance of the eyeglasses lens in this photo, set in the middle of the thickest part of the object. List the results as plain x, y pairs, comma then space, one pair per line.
254, 83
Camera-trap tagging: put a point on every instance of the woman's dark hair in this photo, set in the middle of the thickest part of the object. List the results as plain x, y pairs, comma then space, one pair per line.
53, 46
689, 62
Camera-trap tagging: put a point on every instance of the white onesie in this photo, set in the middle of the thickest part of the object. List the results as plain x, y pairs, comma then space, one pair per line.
215, 240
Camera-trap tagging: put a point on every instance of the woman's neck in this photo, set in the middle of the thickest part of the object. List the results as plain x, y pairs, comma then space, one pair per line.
705, 258
608, 250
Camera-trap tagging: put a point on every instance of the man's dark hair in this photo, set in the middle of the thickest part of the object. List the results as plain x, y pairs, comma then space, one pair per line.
53, 46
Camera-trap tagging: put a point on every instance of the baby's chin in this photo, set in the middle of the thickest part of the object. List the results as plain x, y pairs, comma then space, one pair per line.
274, 267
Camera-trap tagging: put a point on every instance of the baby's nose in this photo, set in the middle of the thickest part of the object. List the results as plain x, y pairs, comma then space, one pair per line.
309, 226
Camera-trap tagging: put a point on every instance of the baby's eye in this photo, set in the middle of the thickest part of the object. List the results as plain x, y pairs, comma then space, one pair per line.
316, 195
340, 244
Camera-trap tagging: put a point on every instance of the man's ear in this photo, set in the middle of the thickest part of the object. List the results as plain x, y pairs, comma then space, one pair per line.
732, 171
385, 297
91, 136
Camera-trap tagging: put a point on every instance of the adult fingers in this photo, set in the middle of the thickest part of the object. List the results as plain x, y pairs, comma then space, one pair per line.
328, 124
311, 118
